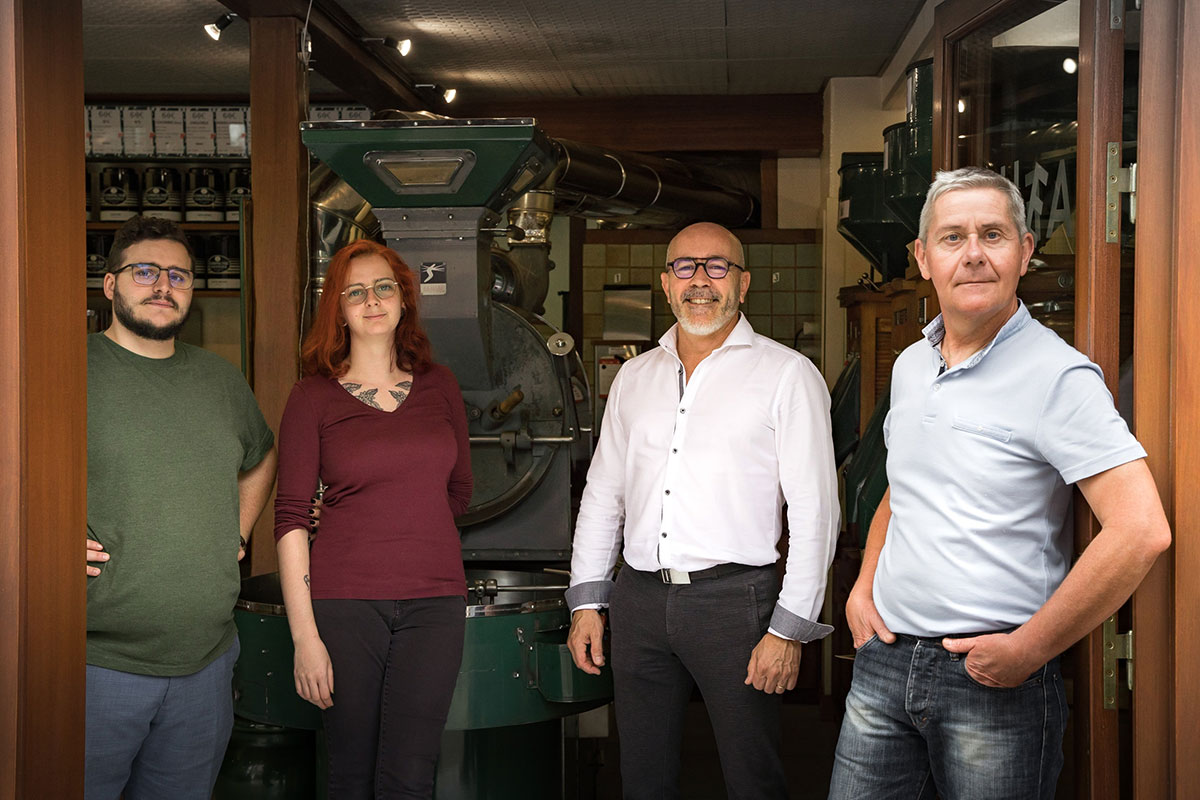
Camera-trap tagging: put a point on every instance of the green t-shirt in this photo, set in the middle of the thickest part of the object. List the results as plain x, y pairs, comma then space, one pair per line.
166, 441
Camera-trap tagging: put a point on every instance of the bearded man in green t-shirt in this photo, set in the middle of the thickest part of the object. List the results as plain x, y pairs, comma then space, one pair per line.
180, 464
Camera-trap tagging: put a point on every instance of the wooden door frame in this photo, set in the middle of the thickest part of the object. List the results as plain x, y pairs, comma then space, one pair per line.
1097, 335
1166, 330
1153, 745
43, 370
1184, 454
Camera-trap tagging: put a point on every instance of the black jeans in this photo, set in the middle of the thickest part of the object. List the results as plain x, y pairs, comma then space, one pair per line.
395, 663
667, 638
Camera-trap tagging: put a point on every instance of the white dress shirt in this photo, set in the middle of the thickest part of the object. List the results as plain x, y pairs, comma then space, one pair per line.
691, 474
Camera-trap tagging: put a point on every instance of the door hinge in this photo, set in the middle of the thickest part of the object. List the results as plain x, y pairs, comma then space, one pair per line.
1116, 14
1120, 180
1117, 646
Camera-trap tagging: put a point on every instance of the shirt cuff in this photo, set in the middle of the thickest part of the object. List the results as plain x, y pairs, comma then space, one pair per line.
787, 625
593, 593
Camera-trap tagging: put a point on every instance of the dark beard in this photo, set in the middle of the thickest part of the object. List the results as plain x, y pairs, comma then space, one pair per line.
146, 330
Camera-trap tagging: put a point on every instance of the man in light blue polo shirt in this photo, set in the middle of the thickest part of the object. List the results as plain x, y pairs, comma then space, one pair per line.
967, 596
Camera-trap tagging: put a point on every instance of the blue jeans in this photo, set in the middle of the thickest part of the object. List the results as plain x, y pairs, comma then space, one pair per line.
153, 737
917, 724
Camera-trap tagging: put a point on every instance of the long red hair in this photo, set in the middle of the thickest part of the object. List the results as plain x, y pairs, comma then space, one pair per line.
327, 345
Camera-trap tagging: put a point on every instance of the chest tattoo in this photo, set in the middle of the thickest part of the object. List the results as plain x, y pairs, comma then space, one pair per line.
365, 395
401, 391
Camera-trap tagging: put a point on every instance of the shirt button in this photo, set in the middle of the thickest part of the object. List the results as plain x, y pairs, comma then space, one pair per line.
682, 410
937, 387
668, 491
674, 449
664, 535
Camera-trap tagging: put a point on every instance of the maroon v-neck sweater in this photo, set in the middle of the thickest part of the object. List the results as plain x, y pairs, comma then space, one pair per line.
395, 481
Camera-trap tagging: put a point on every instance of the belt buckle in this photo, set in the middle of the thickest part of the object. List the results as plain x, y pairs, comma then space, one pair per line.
674, 576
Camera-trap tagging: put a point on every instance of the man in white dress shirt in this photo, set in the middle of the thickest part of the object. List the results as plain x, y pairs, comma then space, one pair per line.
704, 439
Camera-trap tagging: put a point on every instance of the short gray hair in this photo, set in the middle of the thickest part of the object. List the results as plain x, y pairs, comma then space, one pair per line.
973, 178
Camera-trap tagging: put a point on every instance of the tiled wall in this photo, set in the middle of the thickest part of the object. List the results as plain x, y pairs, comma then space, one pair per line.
785, 286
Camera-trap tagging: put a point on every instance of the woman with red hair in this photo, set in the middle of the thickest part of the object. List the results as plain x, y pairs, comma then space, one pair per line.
379, 600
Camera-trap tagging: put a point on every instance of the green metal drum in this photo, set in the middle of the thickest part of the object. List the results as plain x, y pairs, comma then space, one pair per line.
263, 687
908, 149
904, 185
863, 218
919, 114
516, 668
503, 733
267, 762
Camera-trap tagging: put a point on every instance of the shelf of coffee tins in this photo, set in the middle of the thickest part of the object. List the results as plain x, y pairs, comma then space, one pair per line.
199, 227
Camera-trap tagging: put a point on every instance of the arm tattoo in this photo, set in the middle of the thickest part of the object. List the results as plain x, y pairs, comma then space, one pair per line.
307, 584
401, 391
365, 395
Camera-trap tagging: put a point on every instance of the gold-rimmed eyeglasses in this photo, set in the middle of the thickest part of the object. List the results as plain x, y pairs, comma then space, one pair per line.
384, 289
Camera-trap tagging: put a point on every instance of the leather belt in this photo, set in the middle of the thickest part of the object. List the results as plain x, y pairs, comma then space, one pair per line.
680, 577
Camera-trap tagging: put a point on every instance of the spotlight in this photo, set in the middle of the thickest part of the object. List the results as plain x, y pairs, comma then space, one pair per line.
1069, 66
213, 29
401, 46
962, 106
448, 95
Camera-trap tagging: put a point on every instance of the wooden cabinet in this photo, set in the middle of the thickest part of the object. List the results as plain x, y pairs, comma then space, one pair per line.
869, 334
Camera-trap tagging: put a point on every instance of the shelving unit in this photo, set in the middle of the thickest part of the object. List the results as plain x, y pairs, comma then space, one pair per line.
195, 293
193, 227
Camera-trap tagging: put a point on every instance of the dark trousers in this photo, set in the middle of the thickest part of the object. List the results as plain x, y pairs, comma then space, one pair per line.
395, 663
665, 639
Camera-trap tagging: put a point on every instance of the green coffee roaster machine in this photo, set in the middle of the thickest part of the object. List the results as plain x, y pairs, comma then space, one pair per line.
880, 200
442, 192
881, 193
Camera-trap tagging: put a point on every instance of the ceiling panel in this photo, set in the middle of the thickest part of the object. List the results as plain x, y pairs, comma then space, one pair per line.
507, 50
647, 76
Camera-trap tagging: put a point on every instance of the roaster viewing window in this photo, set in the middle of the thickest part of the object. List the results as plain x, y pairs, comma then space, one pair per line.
423, 172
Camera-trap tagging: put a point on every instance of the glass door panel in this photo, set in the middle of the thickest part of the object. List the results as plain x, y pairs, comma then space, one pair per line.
1015, 111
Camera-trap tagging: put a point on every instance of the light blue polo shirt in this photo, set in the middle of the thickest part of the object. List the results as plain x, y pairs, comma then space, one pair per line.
980, 462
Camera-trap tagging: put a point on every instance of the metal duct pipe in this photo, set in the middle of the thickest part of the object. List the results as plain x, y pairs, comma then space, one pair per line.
339, 217
529, 256
641, 189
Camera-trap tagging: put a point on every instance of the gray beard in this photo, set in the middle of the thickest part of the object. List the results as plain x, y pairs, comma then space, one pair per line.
728, 310
142, 328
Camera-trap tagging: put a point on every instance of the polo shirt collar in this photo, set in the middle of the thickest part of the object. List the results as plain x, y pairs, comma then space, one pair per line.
935, 332
742, 335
